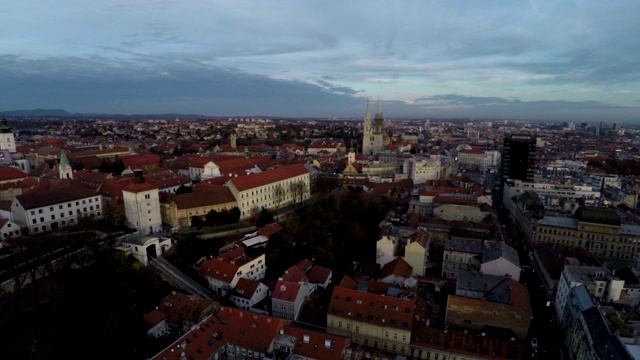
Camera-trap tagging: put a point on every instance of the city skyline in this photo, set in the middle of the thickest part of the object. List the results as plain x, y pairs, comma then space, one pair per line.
564, 60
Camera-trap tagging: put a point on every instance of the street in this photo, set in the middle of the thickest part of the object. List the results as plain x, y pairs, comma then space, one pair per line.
544, 326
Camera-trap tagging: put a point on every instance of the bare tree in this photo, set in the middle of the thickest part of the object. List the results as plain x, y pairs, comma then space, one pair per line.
278, 195
298, 190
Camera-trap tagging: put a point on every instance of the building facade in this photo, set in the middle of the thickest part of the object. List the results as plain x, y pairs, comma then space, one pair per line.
57, 207
142, 205
518, 157
273, 189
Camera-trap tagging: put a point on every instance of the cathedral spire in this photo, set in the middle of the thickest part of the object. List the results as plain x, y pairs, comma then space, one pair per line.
368, 114
378, 105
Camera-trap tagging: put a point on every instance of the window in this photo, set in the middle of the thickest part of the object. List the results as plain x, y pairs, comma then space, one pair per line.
33, 212
147, 196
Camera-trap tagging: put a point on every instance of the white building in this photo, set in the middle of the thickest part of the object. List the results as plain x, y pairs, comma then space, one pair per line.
478, 160
142, 205
272, 189
7, 139
9, 229
421, 170
224, 271
54, 205
387, 245
287, 299
594, 278
248, 293
550, 191
145, 247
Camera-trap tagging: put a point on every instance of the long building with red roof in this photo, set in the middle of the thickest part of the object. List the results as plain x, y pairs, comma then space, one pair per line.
272, 189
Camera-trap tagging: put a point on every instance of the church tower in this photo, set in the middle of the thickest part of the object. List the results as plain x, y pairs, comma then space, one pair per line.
7, 140
372, 139
351, 156
234, 139
64, 168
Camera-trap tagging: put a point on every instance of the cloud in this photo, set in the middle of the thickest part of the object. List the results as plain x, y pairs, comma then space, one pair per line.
627, 92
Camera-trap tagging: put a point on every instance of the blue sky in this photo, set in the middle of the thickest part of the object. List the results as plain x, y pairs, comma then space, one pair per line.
561, 60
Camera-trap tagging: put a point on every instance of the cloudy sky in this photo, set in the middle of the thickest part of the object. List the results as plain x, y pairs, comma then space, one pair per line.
547, 59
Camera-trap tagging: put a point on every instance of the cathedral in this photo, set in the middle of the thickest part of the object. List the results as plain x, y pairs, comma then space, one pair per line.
375, 138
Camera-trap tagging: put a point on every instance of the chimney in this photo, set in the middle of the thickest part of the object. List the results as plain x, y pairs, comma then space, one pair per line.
138, 177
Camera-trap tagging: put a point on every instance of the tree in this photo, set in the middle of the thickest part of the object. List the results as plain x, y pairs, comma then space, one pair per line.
214, 218
197, 222
112, 216
298, 190
326, 184
234, 215
118, 166
105, 167
278, 195
264, 218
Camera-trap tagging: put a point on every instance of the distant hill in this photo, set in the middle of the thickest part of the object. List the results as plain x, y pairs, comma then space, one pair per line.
35, 113
38, 113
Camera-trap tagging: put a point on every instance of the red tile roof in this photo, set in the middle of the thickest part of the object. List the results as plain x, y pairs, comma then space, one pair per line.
294, 274
372, 308
286, 291
8, 173
51, 192
270, 229
397, 267
153, 318
135, 187
317, 345
267, 177
182, 307
225, 266
140, 160
245, 288
319, 275
304, 265
249, 330
208, 197
219, 270
199, 344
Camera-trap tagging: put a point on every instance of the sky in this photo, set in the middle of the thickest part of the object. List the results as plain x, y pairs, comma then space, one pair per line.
560, 60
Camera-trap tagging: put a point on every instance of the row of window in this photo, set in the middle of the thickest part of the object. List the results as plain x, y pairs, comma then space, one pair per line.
44, 228
61, 215
60, 207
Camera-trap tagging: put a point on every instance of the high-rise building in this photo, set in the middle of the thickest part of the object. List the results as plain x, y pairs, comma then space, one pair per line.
518, 157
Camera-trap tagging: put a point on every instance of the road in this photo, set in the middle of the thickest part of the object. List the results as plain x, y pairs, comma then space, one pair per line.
544, 324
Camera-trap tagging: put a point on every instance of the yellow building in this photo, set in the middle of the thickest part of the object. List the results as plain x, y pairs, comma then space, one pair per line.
379, 321
178, 209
